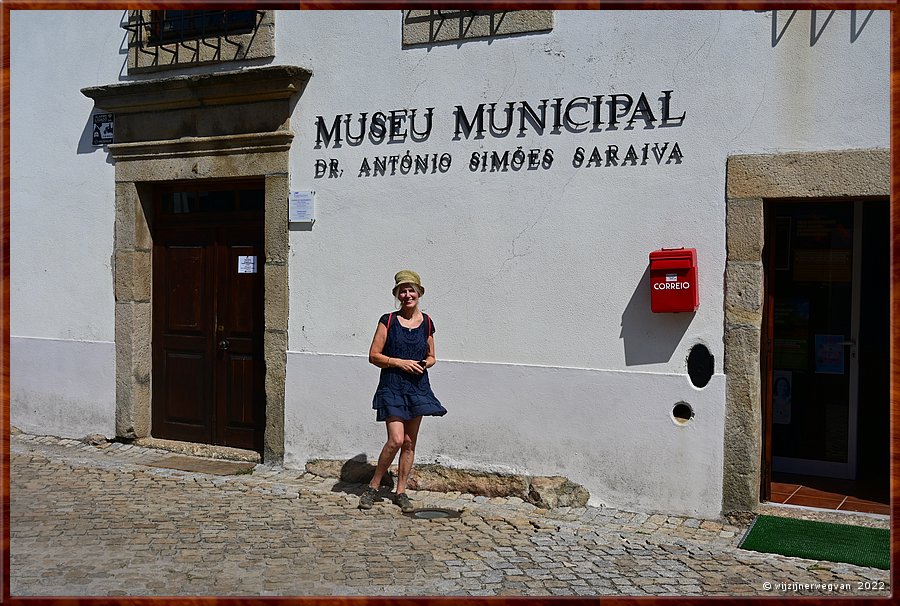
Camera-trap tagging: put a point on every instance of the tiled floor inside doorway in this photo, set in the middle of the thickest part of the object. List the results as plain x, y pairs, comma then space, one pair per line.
842, 495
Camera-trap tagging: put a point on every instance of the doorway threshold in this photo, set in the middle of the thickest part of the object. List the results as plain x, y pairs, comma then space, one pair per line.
819, 514
195, 449
218, 467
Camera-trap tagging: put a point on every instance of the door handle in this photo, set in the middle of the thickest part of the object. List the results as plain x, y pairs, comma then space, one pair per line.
223, 342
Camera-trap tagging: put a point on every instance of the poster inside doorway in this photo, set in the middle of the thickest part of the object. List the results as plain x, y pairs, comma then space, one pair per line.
830, 354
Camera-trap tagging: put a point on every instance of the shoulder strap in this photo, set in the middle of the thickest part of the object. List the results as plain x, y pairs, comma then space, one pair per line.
428, 334
390, 315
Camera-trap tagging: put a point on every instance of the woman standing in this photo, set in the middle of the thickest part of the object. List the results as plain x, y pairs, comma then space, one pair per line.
403, 348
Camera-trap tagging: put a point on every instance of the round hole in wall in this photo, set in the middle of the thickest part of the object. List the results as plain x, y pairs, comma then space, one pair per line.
700, 364
682, 413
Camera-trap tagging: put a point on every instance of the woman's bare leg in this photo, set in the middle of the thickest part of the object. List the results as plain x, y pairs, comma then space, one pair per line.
407, 451
395, 433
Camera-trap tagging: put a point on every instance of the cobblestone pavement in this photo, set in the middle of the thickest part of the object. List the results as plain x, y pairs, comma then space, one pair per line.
101, 520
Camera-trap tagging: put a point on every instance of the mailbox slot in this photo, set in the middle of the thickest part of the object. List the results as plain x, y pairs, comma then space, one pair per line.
673, 280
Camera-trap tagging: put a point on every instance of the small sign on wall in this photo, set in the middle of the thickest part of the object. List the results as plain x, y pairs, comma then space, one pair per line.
103, 129
302, 207
247, 264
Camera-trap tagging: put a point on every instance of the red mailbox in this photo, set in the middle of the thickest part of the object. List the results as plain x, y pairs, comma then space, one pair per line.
673, 280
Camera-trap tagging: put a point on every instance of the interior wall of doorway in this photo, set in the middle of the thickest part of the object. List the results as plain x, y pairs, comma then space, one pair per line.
138, 172
752, 181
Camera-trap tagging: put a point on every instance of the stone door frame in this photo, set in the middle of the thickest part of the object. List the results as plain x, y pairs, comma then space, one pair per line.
751, 182
221, 125
133, 267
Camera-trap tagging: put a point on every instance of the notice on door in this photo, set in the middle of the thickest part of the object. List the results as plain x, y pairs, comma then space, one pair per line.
247, 264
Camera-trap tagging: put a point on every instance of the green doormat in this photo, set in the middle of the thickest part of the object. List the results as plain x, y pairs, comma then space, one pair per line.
820, 541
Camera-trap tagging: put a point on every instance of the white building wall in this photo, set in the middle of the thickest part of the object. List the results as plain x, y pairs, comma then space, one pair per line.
537, 279
549, 358
62, 204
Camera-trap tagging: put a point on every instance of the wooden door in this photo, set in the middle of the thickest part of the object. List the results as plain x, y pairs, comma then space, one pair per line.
208, 366
239, 367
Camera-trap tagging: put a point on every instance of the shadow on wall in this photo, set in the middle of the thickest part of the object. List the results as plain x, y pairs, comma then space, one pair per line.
123, 46
184, 67
857, 24
85, 142
353, 471
650, 337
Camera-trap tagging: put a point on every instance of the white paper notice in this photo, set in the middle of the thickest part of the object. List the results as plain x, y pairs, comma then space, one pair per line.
246, 265
301, 206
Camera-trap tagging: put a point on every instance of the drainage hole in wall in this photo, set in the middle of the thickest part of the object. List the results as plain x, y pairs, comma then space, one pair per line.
682, 413
700, 365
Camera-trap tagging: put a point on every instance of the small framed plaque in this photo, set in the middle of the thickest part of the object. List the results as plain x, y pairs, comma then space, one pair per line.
302, 207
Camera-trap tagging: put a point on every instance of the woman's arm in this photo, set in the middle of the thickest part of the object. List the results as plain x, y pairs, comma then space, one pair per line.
430, 360
375, 356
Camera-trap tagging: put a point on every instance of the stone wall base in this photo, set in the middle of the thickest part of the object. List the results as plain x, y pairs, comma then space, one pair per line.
543, 491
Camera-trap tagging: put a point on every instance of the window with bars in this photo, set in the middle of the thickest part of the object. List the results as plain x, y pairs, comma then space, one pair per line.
167, 39
178, 26
435, 25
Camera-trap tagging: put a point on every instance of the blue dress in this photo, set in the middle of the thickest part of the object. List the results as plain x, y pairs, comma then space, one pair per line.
399, 393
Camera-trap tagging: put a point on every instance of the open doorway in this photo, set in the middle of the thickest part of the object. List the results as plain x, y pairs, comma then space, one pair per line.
826, 346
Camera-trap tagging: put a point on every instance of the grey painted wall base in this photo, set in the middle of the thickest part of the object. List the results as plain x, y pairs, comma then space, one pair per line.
612, 432
62, 388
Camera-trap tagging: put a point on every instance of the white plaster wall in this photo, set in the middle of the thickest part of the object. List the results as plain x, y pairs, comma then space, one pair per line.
62, 190
62, 195
547, 267
537, 279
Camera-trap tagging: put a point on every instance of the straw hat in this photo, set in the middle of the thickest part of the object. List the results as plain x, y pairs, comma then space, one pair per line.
407, 276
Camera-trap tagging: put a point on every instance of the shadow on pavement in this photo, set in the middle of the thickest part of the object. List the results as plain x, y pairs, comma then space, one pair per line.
356, 473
